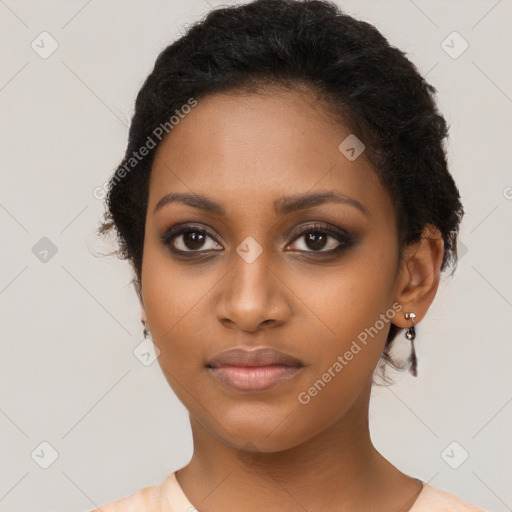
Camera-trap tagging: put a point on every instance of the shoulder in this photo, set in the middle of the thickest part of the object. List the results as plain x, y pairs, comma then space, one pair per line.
144, 500
432, 499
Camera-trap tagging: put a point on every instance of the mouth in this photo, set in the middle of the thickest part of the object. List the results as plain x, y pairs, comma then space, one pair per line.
254, 378
253, 370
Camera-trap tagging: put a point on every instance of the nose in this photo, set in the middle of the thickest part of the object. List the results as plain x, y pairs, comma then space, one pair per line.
253, 296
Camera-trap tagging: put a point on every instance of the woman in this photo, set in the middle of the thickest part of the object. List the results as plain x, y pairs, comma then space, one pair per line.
286, 207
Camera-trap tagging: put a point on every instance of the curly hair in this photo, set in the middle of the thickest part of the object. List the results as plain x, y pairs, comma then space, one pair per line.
367, 84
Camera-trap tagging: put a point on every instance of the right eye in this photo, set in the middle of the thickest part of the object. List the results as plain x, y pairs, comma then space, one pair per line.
189, 239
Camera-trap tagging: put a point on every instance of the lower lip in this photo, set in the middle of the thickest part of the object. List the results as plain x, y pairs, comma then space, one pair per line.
254, 378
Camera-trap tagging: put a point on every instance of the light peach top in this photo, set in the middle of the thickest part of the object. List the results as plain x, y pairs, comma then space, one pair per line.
169, 497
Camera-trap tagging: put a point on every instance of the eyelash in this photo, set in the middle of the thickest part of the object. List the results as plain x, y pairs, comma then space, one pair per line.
345, 240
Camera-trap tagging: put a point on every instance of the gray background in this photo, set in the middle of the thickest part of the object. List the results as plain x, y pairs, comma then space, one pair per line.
70, 320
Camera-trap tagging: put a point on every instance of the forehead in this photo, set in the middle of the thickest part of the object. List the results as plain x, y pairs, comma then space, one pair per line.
247, 150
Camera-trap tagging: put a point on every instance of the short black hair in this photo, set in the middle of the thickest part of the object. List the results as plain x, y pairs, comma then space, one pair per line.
369, 85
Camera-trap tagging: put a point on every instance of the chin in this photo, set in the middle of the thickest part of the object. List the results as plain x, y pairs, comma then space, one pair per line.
260, 430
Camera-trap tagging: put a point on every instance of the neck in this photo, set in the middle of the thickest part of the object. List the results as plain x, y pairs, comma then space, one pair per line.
337, 469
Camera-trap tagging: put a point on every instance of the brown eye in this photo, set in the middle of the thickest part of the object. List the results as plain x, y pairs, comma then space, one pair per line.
190, 239
316, 241
193, 240
321, 239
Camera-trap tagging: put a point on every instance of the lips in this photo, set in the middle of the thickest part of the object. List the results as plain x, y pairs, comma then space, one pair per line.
253, 370
257, 357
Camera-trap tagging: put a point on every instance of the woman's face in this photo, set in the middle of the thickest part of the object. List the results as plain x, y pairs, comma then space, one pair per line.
324, 296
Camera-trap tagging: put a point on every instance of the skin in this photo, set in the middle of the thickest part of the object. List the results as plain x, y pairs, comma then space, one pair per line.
266, 450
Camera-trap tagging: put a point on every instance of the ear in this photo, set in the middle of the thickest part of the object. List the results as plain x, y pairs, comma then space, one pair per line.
419, 274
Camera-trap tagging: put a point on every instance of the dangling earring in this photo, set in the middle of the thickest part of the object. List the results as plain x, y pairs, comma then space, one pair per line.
145, 331
410, 335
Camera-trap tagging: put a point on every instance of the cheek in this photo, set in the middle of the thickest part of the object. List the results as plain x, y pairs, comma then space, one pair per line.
349, 313
176, 303
347, 298
351, 318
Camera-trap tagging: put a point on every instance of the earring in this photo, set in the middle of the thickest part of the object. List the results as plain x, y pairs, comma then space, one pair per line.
145, 331
410, 335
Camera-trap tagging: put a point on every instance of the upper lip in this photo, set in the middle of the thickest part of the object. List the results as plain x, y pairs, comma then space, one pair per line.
264, 356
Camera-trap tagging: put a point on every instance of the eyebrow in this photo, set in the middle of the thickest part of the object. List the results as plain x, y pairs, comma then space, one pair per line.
282, 206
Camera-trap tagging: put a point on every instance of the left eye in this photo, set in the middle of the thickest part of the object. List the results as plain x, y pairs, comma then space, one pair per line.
317, 240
